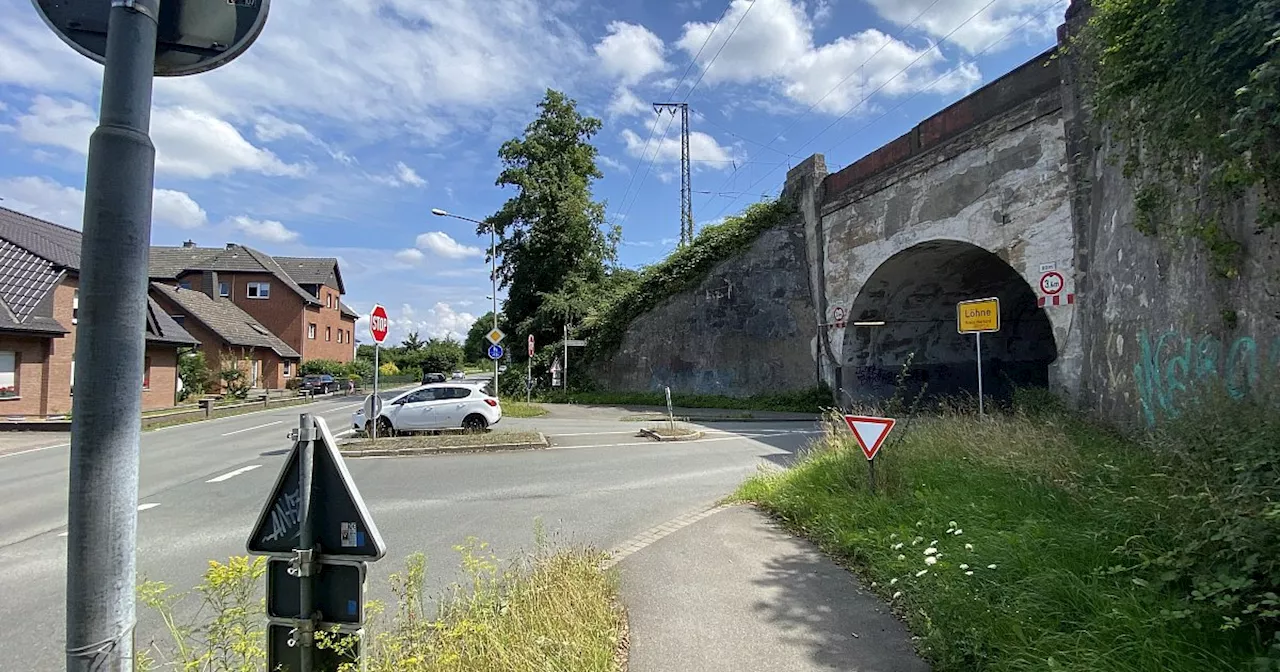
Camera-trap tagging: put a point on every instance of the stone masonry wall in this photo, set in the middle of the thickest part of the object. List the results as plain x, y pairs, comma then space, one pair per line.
746, 329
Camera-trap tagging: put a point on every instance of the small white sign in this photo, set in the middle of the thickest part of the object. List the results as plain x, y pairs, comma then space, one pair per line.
575, 343
1051, 266
349, 534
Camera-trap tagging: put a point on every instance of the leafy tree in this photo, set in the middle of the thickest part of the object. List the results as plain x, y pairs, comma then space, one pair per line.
411, 342
194, 372
554, 248
473, 348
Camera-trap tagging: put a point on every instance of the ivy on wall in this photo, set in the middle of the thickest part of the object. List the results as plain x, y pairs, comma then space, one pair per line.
1192, 90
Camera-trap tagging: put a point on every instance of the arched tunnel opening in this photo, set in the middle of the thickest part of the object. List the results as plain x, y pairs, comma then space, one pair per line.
908, 306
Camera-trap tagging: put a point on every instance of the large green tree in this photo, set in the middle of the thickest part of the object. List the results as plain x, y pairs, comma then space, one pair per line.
475, 344
552, 239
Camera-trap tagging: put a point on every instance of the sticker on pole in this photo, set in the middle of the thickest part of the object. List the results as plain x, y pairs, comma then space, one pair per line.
870, 432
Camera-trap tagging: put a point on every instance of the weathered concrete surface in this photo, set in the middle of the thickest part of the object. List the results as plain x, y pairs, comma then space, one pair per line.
746, 329
981, 215
1160, 326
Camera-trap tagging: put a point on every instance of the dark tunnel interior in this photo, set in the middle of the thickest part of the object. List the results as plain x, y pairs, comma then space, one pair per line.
915, 293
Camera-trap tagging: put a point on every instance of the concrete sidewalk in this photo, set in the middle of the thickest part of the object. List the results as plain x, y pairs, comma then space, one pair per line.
732, 592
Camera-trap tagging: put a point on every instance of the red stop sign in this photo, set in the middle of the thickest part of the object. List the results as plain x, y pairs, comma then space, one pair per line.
378, 323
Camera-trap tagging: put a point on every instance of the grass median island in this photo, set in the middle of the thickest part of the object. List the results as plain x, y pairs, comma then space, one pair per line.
446, 441
555, 609
1041, 542
520, 409
807, 401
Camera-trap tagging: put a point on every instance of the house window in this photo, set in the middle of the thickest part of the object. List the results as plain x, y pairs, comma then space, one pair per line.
328, 300
146, 373
328, 333
259, 290
311, 330
224, 289
185, 284
8, 375
75, 307
286, 369
179, 319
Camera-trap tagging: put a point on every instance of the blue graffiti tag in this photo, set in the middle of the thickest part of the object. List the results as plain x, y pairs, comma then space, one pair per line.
1172, 371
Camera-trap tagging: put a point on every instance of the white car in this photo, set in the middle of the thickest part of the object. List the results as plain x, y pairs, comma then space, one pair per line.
435, 406
458, 375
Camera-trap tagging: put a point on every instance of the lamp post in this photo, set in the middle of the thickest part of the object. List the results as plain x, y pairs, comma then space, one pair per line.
493, 275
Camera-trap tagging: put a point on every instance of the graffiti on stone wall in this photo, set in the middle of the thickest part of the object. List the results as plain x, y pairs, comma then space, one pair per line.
1175, 368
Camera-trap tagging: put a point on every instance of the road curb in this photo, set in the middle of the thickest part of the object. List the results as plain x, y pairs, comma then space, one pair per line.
712, 419
445, 450
658, 437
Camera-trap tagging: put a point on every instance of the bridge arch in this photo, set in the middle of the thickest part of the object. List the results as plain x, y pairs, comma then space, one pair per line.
908, 305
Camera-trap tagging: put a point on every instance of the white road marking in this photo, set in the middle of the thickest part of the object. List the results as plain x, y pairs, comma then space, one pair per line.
34, 450
144, 507
62, 534
250, 429
233, 474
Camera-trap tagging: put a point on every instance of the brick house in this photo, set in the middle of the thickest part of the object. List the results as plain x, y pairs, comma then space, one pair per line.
229, 336
299, 300
39, 305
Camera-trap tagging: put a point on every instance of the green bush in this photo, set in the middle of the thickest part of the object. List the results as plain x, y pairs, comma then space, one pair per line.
1057, 544
193, 369
683, 269
235, 383
313, 367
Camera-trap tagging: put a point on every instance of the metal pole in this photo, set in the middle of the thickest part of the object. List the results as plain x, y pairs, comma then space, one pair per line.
977, 339
373, 430
566, 356
493, 279
871, 474
528, 382
102, 516
306, 536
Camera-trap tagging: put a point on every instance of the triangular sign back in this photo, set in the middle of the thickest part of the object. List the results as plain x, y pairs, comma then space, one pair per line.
342, 524
870, 432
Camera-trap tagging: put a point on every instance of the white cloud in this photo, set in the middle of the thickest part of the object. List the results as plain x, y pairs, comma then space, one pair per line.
178, 209
439, 321
410, 255
268, 230
442, 244
630, 52
46, 199
269, 128
774, 44
702, 149
614, 163
189, 143
402, 175
984, 25
43, 198
625, 103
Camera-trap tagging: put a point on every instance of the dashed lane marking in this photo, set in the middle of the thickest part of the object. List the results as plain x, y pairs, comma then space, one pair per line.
232, 474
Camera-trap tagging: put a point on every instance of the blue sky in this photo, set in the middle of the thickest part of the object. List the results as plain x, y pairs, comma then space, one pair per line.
346, 123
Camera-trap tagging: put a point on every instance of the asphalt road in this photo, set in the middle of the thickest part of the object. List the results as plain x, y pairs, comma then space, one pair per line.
203, 485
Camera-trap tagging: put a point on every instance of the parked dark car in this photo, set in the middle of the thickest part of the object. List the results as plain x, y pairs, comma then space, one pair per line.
321, 383
430, 378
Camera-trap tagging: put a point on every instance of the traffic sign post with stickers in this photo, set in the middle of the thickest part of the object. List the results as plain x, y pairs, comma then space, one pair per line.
977, 317
870, 433
318, 536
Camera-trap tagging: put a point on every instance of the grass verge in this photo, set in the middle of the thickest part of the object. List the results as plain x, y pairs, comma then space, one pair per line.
552, 610
1041, 542
444, 441
808, 401
520, 409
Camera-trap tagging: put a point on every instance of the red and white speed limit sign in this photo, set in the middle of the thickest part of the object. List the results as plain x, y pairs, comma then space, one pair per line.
1051, 283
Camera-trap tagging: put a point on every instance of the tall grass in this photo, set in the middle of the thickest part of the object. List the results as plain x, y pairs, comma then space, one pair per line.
555, 609
1034, 540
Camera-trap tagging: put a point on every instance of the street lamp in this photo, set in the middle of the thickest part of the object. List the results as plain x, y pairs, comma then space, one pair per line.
493, 275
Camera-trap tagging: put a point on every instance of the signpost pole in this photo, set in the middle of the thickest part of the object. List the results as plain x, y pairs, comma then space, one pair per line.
305, 637
373, 429
977, 339
566, 356
103, 497
871, 474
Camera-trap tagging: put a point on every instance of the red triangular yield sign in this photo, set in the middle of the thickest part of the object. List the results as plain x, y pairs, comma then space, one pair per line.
870, 432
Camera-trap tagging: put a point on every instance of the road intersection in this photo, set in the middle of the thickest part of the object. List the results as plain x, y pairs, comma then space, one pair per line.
203, 484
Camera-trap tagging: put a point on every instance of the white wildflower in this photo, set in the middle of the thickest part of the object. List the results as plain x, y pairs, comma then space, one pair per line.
931, 560
958, 532
969, 573
902, 557
931, 551
991, 566
893, 535
893, 581
921, 573
919, 523
953, 524
934, 542
874, 584
917, 540
897, 595
968, 547
964, 566
897, 546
